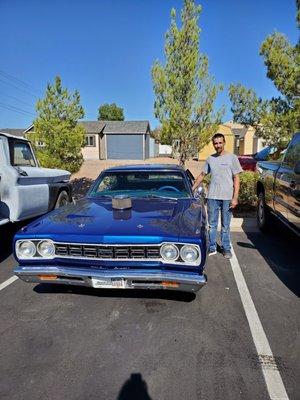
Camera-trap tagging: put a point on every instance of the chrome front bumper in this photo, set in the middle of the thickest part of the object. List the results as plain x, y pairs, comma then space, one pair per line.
129, 279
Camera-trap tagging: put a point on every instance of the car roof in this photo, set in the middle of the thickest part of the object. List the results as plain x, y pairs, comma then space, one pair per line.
13, 137
147, 167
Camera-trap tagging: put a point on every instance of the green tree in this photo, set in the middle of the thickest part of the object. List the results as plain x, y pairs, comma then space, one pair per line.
185, 92
56, 126
110, 112
276, 119
156, 134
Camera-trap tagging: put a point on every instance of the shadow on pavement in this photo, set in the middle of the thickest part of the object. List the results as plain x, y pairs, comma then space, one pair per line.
134, 388
280, 249
7, 233
130, 293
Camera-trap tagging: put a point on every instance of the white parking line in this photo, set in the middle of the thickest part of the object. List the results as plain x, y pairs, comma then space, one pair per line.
8, 282
269, 367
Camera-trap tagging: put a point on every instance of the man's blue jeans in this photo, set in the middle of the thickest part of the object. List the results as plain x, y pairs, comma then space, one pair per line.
213, 215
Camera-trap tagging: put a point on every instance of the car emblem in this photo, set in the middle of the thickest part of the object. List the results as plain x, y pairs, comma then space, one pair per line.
140, 226
81, 225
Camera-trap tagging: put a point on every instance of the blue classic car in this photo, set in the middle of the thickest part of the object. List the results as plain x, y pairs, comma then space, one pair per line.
138, 227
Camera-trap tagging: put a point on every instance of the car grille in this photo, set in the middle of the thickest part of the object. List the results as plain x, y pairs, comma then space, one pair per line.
107, 252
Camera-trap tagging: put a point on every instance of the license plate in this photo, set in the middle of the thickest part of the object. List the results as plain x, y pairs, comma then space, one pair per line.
109, 283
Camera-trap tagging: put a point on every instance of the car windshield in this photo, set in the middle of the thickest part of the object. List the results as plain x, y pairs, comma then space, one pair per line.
141, 184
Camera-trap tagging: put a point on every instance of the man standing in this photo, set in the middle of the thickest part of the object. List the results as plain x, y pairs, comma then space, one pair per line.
223, 192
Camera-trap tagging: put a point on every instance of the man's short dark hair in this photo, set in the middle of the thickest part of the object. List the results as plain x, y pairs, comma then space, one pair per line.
218, 135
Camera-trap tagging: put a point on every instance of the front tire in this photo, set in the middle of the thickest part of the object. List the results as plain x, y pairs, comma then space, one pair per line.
263, 214
62, 199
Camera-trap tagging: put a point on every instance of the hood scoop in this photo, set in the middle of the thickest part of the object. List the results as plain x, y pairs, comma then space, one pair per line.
121, 202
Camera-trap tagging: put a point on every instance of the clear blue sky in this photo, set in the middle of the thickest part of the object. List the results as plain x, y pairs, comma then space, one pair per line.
105, 49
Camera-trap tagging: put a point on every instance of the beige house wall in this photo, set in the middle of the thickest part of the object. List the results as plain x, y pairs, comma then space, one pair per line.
91, 152
209, 148
248, 147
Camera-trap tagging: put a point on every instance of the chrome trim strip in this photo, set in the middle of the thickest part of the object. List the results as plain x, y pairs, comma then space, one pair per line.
37, 241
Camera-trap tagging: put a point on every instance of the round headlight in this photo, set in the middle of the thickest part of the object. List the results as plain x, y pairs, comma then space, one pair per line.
26, 249
46, 248
169, 252
189, 253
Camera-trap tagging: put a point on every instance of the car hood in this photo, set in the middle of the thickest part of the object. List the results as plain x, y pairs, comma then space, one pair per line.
149, 220
37, 175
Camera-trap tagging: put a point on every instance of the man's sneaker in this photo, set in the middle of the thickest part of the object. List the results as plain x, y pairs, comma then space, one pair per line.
227, 254
212, 252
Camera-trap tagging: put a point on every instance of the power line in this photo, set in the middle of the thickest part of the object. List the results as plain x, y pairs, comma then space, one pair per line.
14, 98
18, 81
16, 87
15, 109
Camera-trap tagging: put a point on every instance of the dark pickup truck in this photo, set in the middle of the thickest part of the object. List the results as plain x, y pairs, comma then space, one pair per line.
278, 189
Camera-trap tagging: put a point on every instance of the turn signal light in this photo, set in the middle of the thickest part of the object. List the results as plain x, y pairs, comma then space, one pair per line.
47, 277
170, 284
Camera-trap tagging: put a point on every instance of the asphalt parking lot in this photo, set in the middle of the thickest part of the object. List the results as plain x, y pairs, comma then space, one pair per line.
76, 343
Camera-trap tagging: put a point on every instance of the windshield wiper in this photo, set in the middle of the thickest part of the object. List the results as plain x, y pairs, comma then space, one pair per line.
157, 196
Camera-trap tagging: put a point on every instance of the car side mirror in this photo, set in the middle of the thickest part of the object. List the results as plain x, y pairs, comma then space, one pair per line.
297, 168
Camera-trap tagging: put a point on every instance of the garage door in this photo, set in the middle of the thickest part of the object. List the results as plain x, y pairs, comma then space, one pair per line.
125, 147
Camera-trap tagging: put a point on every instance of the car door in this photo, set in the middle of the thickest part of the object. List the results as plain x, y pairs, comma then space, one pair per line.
29, 197
1, 171
281, 190
292, 159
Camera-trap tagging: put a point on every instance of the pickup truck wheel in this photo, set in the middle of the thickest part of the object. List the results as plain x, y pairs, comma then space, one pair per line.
62, 199
263, 215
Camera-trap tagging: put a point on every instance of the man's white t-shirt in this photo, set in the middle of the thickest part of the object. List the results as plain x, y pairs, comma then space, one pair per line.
222, 169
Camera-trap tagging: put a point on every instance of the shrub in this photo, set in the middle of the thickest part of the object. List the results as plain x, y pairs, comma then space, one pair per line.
247, 195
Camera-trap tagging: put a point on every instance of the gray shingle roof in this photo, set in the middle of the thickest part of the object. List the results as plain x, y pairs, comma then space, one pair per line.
107, 127
133, 127
92, 126
13, 132
111, 127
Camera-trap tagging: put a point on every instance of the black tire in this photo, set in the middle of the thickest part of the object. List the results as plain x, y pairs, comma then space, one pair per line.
263, 214
62, 199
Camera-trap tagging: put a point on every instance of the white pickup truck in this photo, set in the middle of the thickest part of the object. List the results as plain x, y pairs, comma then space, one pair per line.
26, 190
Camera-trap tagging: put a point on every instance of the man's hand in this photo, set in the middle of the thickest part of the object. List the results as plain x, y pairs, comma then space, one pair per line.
234, 202
198, 181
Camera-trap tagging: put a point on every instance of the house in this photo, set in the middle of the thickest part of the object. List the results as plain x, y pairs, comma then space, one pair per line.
246, 142
240, 140
118, 140
230, 143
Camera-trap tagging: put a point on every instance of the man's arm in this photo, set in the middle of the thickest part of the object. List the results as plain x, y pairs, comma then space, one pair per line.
198, 180
236, 189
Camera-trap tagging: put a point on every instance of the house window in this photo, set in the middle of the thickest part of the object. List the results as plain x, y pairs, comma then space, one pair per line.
40, 143
90, 140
